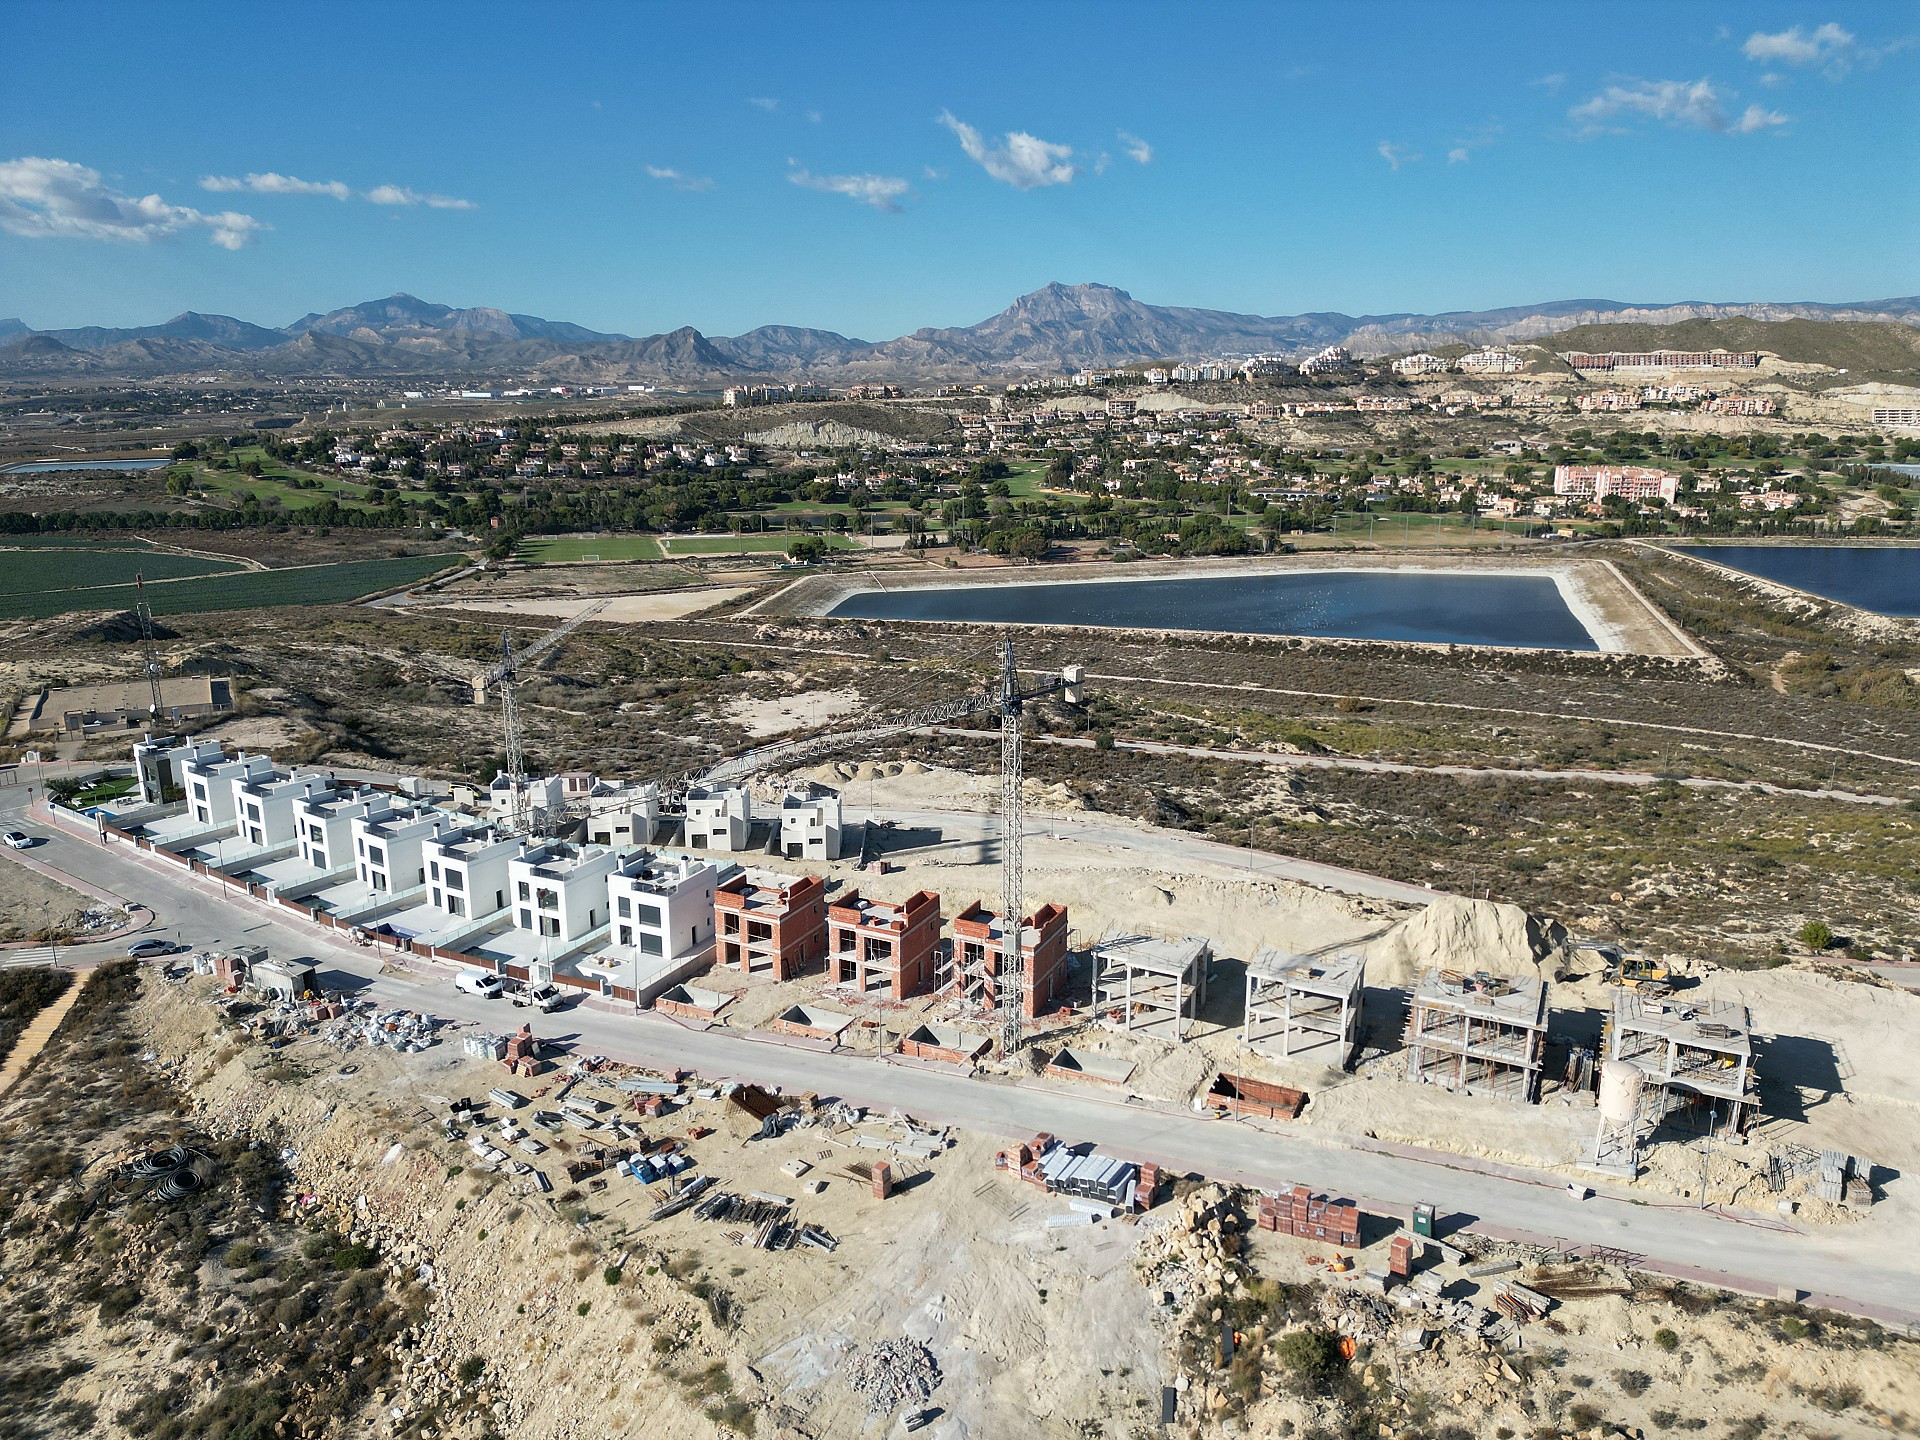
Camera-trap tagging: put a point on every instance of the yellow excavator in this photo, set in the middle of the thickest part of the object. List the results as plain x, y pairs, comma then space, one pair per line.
1634, 972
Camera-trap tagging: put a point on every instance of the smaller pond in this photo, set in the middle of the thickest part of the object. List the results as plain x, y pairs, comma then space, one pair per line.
1882, 578
47, 467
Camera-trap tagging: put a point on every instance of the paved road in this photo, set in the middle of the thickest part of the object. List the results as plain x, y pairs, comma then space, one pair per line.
1861, 1266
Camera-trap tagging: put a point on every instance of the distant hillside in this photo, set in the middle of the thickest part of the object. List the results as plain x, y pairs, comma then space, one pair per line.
1848, 345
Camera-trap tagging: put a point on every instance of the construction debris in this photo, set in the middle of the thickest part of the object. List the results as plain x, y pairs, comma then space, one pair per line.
891, 1374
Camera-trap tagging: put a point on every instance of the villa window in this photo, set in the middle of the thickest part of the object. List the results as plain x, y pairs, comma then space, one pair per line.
626, 907
650, 915
626, 935
650, 944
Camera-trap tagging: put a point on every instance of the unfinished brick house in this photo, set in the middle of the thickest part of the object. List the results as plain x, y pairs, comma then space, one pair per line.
876, 946
772, 923
978, 944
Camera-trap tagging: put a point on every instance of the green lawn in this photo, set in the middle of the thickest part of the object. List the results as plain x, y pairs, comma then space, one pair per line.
1412, 528
558, 549
250, 589
1025, 481
748, 544
31, 572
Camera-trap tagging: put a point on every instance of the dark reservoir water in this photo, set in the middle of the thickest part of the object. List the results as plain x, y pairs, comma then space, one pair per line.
1881, 578
47, 467
1521, 610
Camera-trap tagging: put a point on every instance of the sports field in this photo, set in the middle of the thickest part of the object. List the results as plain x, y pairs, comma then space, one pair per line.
564, 549
247, 590
747, 544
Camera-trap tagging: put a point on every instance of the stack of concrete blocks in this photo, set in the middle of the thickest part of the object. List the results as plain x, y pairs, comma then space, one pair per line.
1310, 1217
882, 1180
1400, 1256
1149, 1183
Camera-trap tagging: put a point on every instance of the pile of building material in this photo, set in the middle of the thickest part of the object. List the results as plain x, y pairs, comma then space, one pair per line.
1301, 1213
1195, 1247
404, 1030
1078, 1171
1457, 933
891, 1374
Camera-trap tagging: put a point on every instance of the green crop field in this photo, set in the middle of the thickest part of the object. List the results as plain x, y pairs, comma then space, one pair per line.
558, 549
74, 542
748, 544
30, 572
301, 585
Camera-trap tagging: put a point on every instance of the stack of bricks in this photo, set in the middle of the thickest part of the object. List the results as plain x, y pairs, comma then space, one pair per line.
1311, 1217
1400, 1256
882, 1180
1144, 1190
651, 1106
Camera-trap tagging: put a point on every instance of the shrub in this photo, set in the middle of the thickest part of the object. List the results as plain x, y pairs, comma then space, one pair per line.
611, 1275
354, 1257
1816, 935
471, 1368
1665, 1339
1582, 1417
1633, 1382
1310, 1357
583, 1307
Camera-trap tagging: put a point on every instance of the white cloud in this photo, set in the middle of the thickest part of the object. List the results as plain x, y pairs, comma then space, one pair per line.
1137, 149
764, 102
57, 199
1023, 161
270, 183
1478, 139
1397, 155
1459, 155
1828, 46
1550, 83
401, 195
1683, 103
927, 172
883, 192
678, 180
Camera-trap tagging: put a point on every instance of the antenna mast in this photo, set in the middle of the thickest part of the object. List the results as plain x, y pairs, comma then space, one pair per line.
510, 723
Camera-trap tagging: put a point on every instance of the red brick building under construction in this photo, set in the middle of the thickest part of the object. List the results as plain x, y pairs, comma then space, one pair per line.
876, 946
979, 941
769, 922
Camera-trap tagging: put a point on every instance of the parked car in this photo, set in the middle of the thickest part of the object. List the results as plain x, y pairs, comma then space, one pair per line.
19, 840
547, 997
479, 982
153, 945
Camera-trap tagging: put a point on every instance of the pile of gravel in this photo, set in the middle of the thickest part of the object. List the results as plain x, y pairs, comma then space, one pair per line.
891, 1374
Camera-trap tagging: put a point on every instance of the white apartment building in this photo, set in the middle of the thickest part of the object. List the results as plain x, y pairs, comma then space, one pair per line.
323, 824
209, 784
387, 849
1902, 417
661, 905
1330, 361
160, 761
560, 890
539, 792
469, 876
263, 805
627, 817
810, 824
719, 819
1632, 482
1420, 364
1489, 361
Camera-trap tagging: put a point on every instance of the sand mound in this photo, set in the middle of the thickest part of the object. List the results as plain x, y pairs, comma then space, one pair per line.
1456, 933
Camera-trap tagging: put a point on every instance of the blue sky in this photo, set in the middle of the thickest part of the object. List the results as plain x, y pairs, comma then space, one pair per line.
872, 169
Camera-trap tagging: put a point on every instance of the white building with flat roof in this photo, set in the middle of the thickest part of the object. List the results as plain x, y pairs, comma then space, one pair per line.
263, 804
720, 818
560, 891
387, 849
209, 784
323, 824
159, 763
627, 817
810, 824
469, 875
661, 908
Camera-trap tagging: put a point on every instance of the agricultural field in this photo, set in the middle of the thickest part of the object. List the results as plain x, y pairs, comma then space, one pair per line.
299, 585
34, 572
573, 549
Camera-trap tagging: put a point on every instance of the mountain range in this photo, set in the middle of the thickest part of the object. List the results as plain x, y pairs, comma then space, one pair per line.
1054, 329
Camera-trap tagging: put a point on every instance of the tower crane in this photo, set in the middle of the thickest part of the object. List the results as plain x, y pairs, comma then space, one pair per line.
150, 652
1005, 697
504, 676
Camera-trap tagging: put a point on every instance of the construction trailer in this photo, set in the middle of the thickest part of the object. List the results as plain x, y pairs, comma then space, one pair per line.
872, 945
1150, 986
1478, 1034
1694, 1056
1304, 1007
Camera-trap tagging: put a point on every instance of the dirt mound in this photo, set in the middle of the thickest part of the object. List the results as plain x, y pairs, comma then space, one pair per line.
1457, 933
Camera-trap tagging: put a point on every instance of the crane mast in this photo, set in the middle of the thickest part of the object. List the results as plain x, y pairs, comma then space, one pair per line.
149, 651
1009, 987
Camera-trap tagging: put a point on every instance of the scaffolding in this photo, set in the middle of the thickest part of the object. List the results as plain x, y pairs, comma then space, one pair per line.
1691, 1054
1150, 986
1309, 1004
1478, 1034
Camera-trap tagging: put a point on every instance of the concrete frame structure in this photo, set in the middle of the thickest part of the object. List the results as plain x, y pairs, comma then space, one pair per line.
1478, 1034
876, 946
810, 824
560, 892
978, 944
387, 847
1145, 985
1688, 1052
1315, 1000
771, 922
718, 819
469, 875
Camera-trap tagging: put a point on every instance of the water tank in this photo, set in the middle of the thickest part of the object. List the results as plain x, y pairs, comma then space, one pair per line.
1620, 1082
1075, 685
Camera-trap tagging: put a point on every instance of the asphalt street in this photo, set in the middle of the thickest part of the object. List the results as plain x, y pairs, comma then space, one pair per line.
1863, 1267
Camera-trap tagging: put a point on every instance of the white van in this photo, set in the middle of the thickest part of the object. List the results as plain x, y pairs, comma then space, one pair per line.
478, 982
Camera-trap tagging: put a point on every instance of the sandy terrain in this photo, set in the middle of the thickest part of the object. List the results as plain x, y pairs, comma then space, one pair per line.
621, 609
31, 903
782, 713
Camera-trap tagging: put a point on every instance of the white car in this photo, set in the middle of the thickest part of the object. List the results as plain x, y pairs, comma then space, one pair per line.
18, 840
142, 949
547, 997
479, 982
